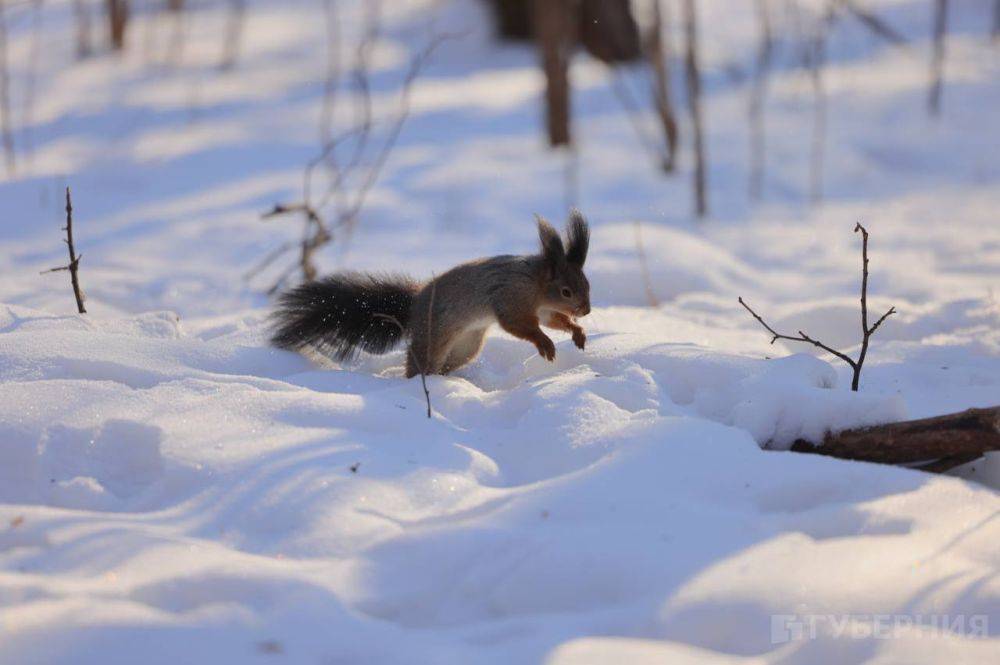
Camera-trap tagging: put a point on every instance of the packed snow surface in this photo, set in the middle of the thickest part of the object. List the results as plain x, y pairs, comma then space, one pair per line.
174, 490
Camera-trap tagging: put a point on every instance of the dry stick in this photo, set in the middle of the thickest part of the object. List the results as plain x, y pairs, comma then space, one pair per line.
949, 440
815, 59
765, 51
571, 178
84, 46
659, 53
430, 331
74, 259
347, 216
317, 232
640, 250
410, 351
873, 22
333, 74
234, 34
937, 59
866, 331
28, 108
995, 29
118, 11
693, 78
5, 119
635, 116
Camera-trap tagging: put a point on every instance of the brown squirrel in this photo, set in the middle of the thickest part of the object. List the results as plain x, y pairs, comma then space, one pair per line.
445, 319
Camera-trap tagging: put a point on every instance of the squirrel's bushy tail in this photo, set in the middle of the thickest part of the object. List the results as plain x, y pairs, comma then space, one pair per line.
342, 314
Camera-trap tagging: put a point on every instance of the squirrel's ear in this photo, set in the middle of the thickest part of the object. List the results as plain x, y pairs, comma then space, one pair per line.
578, 235
552, 245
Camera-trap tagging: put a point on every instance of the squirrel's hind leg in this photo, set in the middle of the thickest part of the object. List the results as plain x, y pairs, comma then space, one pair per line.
465, 349
427, 354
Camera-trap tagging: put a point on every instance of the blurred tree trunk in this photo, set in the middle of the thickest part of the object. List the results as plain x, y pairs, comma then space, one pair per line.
553, 23
693, 77
117, 22
512, 19
937, 60
608, 30
175, 5
658, 53
83, 41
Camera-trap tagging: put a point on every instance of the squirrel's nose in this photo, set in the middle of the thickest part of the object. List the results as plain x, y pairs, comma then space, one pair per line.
583, 310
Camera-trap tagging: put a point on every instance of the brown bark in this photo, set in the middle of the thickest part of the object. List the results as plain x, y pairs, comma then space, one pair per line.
553, 21
658, 53
951, 439
608, 30
74, 259
117, 22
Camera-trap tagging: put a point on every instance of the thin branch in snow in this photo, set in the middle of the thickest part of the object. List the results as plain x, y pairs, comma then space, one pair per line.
866, 330
74, 258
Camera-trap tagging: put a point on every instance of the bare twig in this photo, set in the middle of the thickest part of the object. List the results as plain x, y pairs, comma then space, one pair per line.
421, 367
873, 22
765, 51
995, 28
658, 54
937, 60
318, 230
5, 119
647, 282
814, 57
234, 33
81, 11
430, 332
28, 107
74, 258
866, 331
693, 78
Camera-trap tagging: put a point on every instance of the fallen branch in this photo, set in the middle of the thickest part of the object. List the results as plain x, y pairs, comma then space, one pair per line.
74, 258
941, 443
867, 331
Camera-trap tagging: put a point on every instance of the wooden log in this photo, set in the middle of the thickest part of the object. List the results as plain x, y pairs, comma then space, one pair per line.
941, 443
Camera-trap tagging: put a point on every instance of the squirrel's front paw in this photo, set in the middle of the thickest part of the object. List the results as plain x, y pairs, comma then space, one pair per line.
579, 338
546, 348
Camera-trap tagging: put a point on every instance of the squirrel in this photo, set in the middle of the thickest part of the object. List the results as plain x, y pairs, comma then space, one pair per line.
444, 320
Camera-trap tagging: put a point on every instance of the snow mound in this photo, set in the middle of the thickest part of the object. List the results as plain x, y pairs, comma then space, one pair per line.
240, 496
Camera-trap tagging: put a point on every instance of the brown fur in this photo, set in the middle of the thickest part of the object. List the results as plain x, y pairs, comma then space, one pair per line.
451, 314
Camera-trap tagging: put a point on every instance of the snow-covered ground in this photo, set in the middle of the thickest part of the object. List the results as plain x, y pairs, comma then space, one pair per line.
174, 490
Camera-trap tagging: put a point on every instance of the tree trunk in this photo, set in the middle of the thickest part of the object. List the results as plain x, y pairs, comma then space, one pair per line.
554, 21
658, 53
117, 22
608, 30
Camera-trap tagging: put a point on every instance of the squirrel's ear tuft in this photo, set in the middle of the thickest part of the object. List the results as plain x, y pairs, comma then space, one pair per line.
552, 245
578, 235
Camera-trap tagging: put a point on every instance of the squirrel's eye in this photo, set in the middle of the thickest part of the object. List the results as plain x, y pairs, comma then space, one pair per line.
566, 293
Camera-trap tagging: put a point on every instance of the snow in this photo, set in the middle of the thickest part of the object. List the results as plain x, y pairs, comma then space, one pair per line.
172, 489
